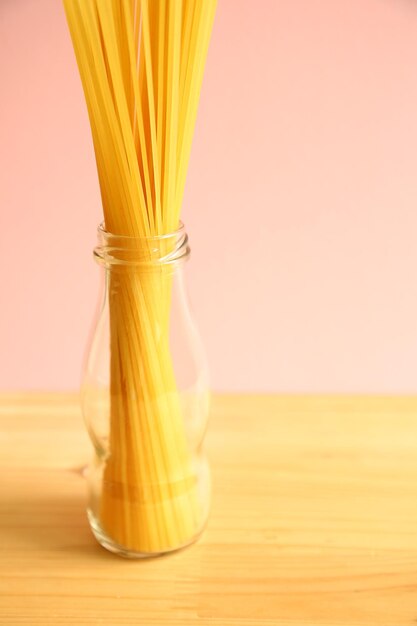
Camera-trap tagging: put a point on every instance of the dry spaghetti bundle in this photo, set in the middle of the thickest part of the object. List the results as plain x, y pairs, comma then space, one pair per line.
141, 63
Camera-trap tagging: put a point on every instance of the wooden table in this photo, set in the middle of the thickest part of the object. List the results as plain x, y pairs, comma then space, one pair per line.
314, 520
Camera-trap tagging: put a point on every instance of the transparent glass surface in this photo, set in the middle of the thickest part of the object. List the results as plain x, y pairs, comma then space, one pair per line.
145, 400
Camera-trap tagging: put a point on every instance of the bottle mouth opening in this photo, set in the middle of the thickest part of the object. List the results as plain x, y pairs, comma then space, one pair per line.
151, 251
104, 234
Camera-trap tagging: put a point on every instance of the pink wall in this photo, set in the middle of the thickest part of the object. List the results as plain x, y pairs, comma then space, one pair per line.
301, 198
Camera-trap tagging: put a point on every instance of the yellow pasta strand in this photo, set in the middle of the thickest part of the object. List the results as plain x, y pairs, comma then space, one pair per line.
141, 64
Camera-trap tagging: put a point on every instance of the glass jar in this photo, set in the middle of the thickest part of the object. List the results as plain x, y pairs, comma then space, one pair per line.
145, 400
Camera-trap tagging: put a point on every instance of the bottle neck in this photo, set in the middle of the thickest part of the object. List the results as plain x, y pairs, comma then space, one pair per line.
156, 251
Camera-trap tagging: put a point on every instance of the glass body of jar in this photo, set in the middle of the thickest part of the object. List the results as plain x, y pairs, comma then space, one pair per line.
145, 400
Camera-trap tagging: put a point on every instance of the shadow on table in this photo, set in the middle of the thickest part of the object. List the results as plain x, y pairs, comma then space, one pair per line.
48, 517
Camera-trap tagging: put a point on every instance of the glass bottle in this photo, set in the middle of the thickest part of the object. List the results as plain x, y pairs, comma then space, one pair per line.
145, 400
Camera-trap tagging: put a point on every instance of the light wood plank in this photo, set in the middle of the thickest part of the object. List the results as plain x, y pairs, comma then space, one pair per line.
314, 520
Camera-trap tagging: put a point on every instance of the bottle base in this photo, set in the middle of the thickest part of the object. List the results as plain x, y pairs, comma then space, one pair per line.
109, 544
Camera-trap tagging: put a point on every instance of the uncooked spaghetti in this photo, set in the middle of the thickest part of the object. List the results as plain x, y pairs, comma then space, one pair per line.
141, 63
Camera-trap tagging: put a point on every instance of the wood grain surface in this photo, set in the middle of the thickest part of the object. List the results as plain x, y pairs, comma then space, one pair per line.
314, 520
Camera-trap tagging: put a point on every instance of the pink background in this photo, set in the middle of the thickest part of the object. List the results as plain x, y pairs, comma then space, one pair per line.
300, 204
